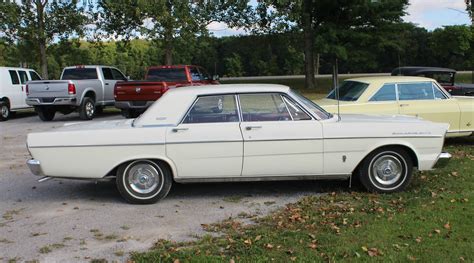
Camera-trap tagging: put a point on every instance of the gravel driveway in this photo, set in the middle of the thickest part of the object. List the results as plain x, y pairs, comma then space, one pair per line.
70, 220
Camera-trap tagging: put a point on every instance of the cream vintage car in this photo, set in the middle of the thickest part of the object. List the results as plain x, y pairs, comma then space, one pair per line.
417, 96
238, 133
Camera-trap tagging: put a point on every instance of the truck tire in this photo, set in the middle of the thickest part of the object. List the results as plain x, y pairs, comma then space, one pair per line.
87, 110
130, 114
45, 113
5, 112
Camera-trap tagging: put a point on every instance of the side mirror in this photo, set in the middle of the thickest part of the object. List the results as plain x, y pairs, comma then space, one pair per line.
215, 77
128, 78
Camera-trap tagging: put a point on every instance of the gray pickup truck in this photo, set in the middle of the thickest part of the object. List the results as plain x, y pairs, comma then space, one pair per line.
86, 89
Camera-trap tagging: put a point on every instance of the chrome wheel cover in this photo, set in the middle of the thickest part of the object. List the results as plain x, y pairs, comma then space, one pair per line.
386, 169
4, 111
90, 109
143, 178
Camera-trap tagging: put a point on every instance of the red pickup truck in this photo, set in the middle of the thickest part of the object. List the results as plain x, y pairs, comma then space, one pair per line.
134, 97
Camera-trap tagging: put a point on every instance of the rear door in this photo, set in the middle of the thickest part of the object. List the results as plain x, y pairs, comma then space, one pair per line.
280, 139
23, 79
426, 100
208, 142
14, 91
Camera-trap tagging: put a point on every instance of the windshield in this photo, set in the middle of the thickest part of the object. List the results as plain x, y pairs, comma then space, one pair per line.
167, 74
349, 91
315, 108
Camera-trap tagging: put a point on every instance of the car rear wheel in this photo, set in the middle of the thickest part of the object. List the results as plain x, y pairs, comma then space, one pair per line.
45, 113
5, 112
143, 181
386, 170
87, 110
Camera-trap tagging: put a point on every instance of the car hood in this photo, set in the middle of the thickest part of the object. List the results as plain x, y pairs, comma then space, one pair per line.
331, 102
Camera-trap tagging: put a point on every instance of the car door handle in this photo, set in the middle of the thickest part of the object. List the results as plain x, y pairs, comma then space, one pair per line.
248, 128
107, 84
404, 105
179, 129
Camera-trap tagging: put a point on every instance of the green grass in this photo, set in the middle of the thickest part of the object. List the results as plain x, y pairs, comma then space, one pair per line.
432, 221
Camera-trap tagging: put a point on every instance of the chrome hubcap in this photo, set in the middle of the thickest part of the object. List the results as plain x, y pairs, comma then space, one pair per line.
4, 111
143, 178
89, 109
387, 170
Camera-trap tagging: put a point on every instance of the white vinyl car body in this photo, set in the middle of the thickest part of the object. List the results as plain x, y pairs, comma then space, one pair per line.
236, 133
13, 89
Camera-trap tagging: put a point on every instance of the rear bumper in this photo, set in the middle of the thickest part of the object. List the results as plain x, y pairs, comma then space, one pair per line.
48, 101
443, 160
35, 167
138, 105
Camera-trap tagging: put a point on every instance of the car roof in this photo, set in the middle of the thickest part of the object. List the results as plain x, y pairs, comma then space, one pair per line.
229, 88
16, 68
420, 70
385, 79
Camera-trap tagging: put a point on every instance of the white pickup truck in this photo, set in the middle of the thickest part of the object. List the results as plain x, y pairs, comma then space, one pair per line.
86, 89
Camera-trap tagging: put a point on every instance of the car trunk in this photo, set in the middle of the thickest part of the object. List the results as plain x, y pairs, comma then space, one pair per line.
139, 90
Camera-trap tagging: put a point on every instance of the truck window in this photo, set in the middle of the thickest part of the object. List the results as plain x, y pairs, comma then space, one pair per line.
195, 76
117, 74
107, 73
204, 74
34, 76
79, 73
23, 76
14, 77
167, 74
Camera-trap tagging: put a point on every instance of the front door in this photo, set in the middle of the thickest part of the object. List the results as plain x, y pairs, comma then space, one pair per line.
427, 101
208, 142
280, 139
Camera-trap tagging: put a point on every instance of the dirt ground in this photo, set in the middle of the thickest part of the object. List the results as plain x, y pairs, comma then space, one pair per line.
68, 220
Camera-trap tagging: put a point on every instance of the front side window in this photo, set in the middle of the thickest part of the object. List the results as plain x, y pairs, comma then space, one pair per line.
34, 76
117, 74
212, 109
349, 91
263, 107
296, 112
23, 76
204, 74
14, 77
313, 107
438, 94
385, 93
415, 91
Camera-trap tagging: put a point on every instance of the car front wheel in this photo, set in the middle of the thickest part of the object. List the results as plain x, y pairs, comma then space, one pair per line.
87, 110
143, 181
386, 170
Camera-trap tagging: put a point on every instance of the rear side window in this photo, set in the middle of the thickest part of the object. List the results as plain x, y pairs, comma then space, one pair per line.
14, 77
211, 109
80, 73
23, 76
167, 74
34, 76
107, 73
195, 75
415, 91
385, 93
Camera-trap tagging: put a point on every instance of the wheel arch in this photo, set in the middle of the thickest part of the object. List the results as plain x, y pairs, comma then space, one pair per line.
159, 159
89, 93
6, 99
408, 149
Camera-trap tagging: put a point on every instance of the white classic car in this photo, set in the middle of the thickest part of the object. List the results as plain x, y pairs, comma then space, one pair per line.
238, 133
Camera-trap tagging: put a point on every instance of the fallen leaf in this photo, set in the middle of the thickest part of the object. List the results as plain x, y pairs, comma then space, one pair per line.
312, 246
176, 261
437, 231
418, 239
231, 260
248, 242
269, 246
447, 226
257, 238
365, 249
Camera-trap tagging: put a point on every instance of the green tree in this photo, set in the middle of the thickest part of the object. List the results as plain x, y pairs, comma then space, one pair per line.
452, 45
311, 16
168, 20
37, 23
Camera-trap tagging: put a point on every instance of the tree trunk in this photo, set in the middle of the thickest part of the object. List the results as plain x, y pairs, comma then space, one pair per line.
42, 38
168, 52
308, 34
168, 34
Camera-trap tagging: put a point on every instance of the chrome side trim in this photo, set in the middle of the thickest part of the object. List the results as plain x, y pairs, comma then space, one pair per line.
35, 167
386, 137
99, 145
264, 178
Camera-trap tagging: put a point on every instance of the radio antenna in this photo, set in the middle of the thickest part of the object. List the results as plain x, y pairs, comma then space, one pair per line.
336, 87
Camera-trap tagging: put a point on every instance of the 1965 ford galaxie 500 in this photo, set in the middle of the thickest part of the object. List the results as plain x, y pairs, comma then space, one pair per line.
238, 133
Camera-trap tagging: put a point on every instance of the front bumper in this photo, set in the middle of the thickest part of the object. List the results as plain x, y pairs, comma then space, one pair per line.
35, 167
133, 104
443, 160
48, 101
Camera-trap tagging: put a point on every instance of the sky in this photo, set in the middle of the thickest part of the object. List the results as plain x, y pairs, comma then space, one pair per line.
430, 14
